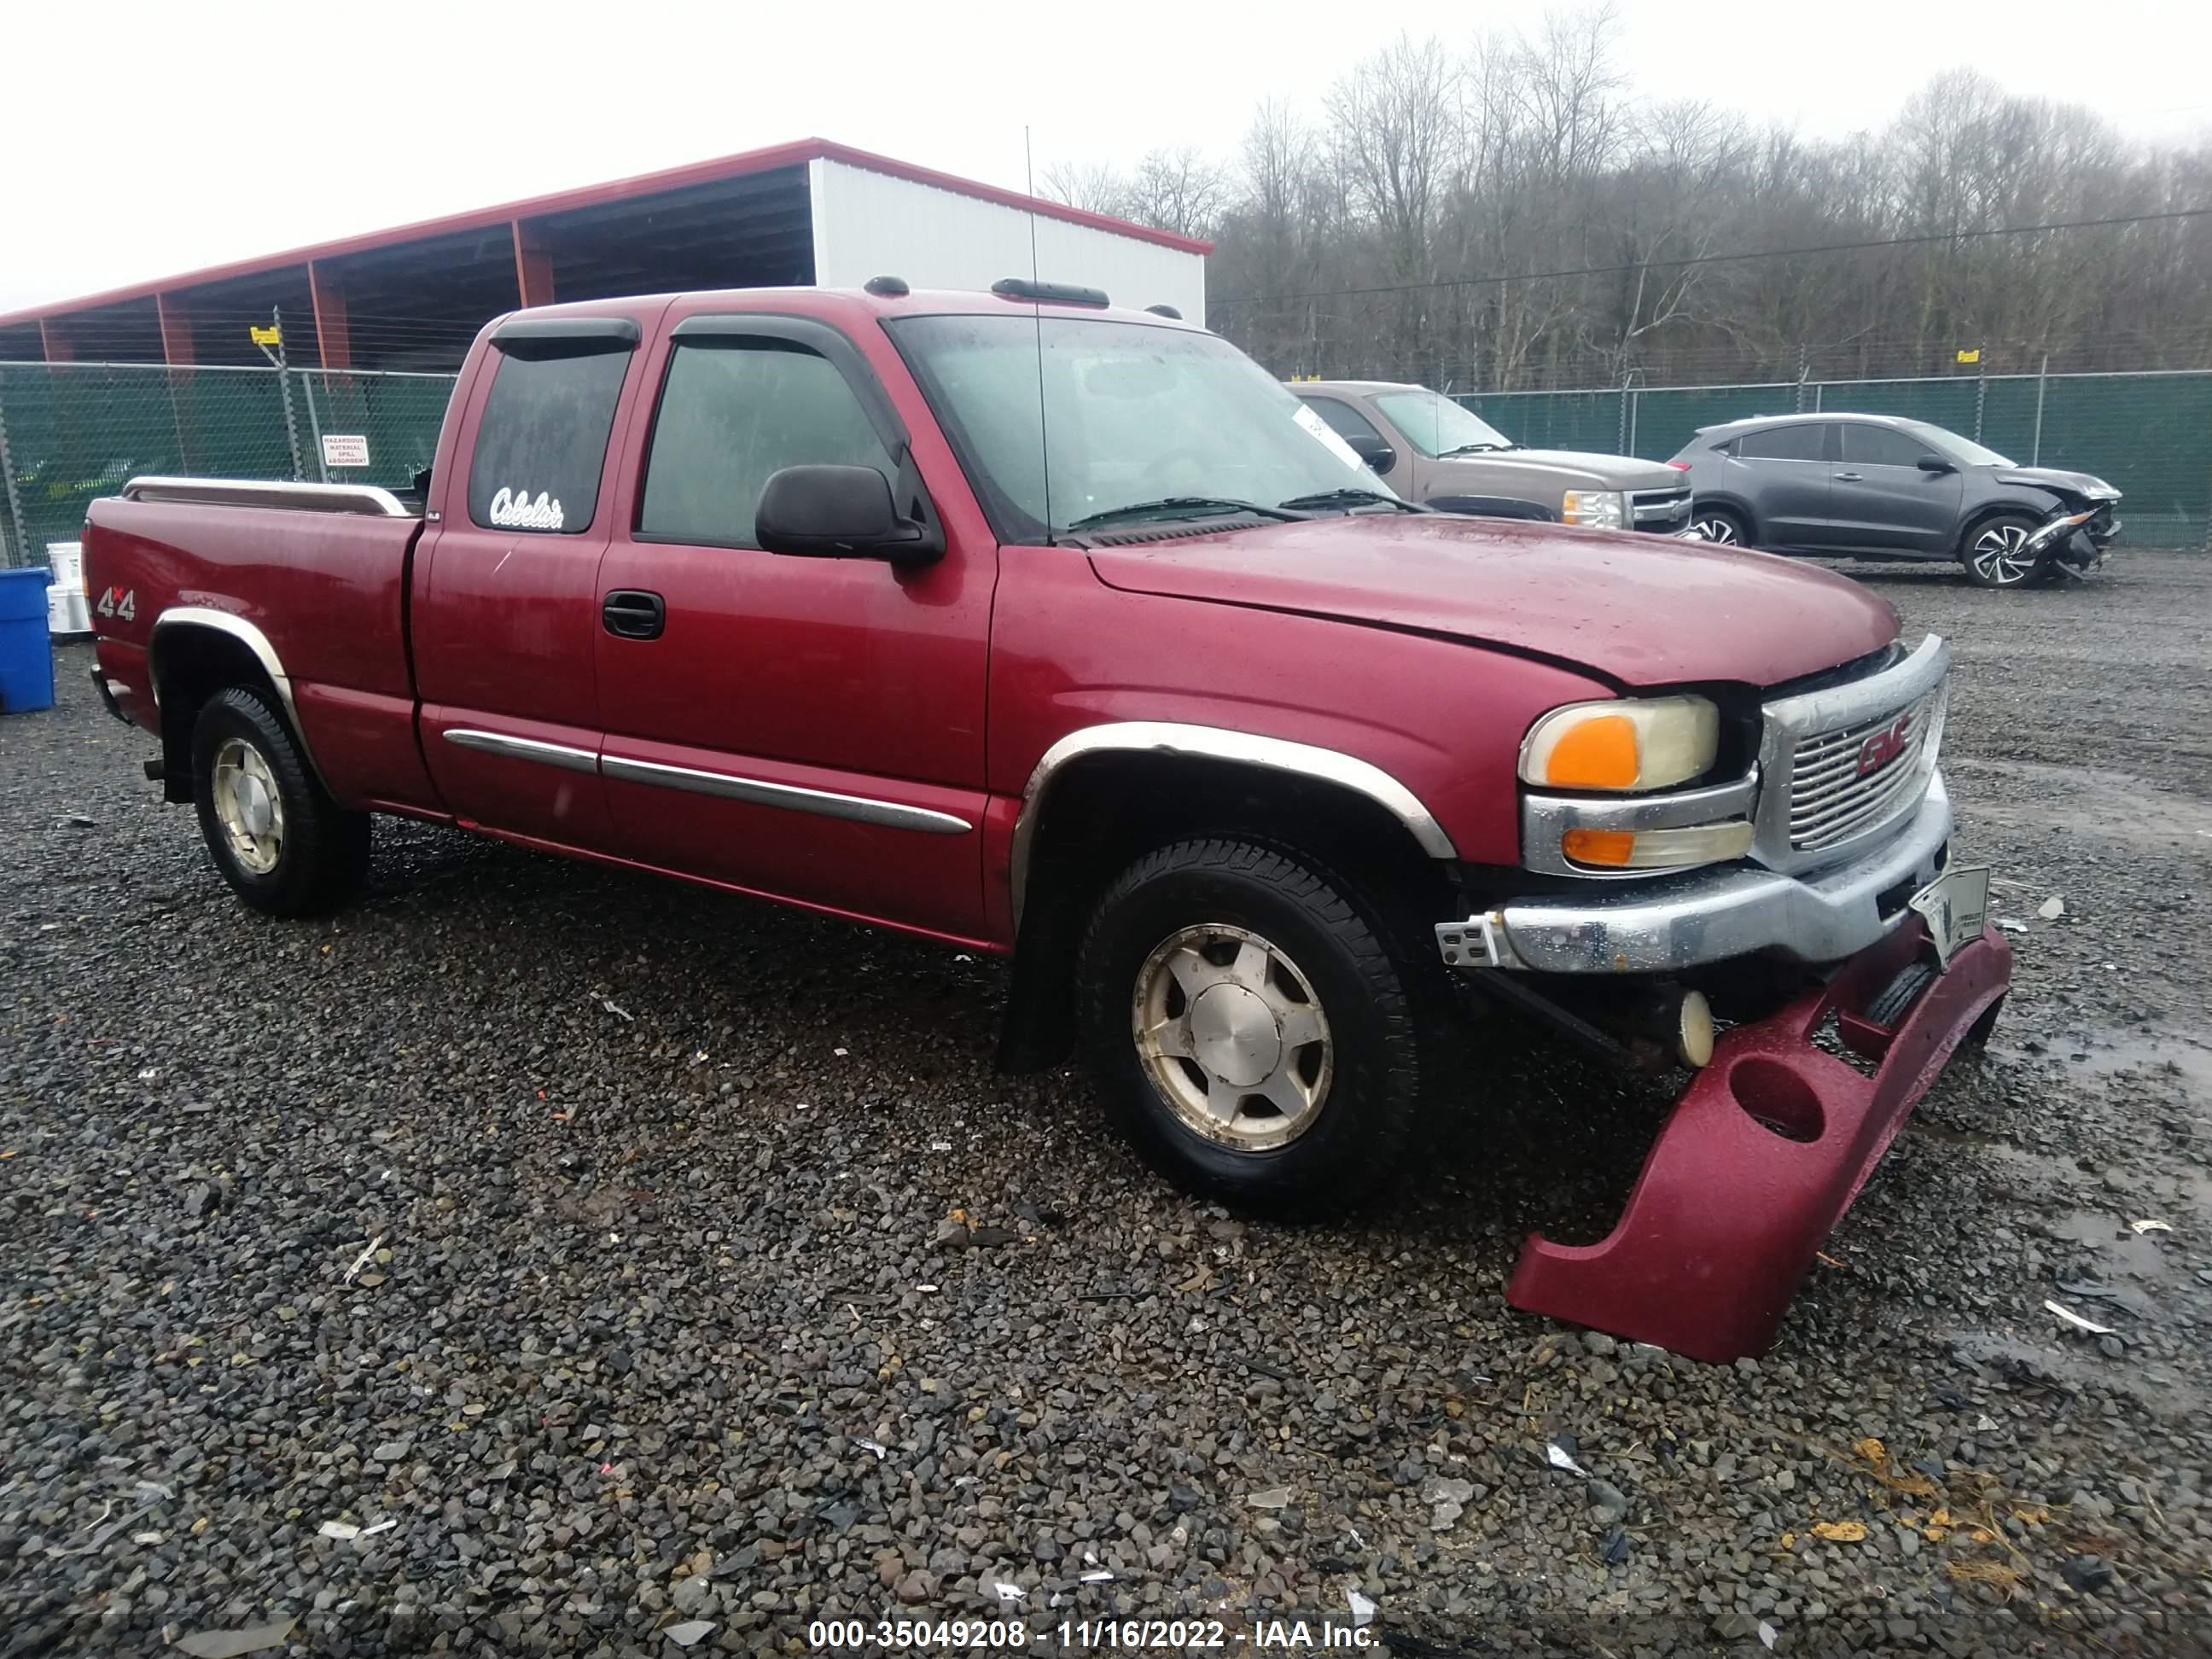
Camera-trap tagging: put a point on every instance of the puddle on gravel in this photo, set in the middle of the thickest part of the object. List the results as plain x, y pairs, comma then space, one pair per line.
2104, 1051
2100, 1266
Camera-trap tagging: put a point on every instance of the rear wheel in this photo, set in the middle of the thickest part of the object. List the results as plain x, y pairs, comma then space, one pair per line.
1721, 525
1994, 553
283, 845
1248, 1028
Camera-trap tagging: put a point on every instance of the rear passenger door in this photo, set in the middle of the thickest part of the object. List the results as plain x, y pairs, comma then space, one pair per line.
1783, 473
1883, 499
504, 618
807, 728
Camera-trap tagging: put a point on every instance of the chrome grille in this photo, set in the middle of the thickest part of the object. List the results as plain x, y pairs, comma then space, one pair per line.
1832, 798
1660, 509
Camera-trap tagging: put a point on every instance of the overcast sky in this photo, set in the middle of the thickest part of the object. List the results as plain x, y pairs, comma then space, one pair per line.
147, 140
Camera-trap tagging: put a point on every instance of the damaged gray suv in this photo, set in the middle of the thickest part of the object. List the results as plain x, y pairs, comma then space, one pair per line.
1882, 487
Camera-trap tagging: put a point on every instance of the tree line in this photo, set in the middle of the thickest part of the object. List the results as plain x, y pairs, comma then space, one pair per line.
1512, 216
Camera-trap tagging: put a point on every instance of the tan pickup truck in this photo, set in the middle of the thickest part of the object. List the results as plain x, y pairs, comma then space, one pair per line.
1437, 452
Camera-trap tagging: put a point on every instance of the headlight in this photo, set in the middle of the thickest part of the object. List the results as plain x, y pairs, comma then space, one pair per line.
1596, 509
1651, 744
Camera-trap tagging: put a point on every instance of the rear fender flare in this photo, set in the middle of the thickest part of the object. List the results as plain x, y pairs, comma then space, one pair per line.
174, 627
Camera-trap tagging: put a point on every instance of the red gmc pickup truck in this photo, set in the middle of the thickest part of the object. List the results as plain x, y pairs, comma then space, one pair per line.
1062, 631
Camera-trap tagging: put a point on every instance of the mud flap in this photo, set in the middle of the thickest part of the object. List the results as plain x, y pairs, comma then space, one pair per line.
1762, 1156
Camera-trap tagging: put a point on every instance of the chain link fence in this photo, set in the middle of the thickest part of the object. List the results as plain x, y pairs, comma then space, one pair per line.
70, 432
2149, 435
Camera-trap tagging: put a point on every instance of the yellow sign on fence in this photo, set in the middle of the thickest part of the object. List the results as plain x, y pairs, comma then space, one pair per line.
271, 336
1970, 357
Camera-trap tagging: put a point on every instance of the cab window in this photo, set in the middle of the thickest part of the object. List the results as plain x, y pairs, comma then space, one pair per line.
734, 411
542, 440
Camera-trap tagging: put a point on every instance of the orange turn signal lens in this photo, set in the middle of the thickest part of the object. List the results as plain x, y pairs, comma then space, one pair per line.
1598, 753
1606, 847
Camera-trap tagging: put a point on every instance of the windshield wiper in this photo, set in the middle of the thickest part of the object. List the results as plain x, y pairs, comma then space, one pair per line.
1181, 507
1349, 498
1474, 449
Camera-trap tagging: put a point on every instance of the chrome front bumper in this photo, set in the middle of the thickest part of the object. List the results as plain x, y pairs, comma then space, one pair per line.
1674, 922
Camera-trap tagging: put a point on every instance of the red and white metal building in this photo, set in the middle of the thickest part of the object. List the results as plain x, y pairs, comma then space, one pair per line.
809, 212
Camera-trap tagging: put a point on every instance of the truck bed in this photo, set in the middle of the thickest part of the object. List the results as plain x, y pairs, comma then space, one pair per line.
317, 571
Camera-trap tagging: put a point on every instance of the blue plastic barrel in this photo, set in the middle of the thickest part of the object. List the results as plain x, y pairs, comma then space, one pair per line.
27, 651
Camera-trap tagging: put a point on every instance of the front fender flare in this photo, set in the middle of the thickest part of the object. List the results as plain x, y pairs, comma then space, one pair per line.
1221, 744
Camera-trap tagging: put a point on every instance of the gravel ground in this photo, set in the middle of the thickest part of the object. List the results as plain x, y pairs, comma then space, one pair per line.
708, 1274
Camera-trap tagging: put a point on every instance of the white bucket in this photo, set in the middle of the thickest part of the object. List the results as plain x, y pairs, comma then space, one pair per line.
67, 612
66, 560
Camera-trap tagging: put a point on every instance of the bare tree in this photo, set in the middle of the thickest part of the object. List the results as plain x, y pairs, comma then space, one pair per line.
1511, 216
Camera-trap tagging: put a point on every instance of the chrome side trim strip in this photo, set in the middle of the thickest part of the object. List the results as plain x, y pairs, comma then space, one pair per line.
858, 809
222, 622
530, 749
1217, 743
363, 499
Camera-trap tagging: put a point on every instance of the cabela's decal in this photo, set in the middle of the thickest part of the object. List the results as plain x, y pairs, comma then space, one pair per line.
513, 509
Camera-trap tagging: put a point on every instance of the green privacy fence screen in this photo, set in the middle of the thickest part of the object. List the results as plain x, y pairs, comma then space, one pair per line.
2150, 435
72, 432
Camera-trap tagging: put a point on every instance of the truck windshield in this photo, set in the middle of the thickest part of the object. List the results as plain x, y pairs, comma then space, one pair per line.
1164, 423
1436, 425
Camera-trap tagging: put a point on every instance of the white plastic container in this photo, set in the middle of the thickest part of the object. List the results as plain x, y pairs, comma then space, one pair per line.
67, 612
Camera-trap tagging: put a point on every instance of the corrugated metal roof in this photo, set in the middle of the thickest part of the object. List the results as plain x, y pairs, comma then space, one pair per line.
620, 190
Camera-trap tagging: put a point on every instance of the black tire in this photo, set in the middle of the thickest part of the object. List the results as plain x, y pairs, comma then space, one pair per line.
319, 854
1370, 1106
1986, 564
1722, 525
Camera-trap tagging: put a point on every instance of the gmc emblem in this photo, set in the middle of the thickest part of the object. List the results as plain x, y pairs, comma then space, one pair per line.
1884, 746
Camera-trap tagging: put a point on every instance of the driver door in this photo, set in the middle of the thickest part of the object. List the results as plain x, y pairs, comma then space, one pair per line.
811, 729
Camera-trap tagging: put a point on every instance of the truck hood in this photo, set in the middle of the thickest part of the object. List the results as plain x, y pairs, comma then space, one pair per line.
1579, 469
1639, 610
2083, 485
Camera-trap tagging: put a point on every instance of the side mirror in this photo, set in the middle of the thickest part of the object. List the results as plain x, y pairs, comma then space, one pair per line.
839, 511
1936, 464
1378, 455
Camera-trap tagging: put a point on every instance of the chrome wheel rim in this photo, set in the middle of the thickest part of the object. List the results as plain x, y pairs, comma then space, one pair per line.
1232, 1036
1717, 530
1996, 555
248, 805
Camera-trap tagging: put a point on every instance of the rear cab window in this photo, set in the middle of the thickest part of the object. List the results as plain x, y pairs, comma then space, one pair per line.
541, 442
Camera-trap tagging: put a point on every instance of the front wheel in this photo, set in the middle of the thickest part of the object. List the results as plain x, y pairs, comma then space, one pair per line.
1247, 1029
283, 845
1995, 554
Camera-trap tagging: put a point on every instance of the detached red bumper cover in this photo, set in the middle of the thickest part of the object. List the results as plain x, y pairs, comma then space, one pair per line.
1729, 1212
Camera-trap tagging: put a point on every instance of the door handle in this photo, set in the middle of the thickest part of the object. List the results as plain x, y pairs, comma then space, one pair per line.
1850, 477
632, 613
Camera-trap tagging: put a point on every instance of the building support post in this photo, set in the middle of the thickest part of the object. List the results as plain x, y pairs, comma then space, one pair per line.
534, 264
333, 339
